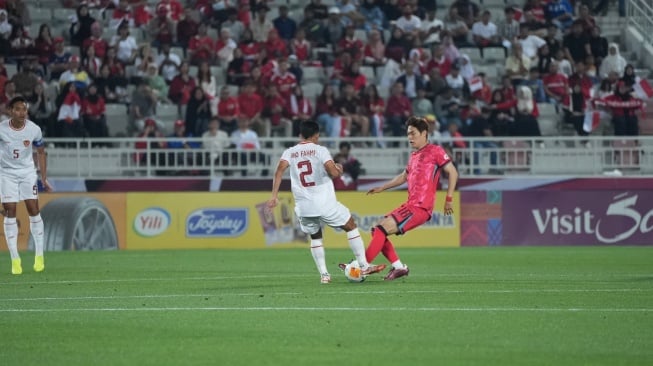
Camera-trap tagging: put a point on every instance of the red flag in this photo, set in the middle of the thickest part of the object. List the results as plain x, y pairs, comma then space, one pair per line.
643, 89
591, 121
475, 83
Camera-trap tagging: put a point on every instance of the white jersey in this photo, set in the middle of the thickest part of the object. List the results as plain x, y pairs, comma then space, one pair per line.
17, 146
310, 183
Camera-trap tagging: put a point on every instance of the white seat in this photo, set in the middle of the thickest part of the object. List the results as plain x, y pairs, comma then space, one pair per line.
40, 15
63, 15
368, 71
312, 90
219, 75
313, 74
116, 119
548, 119
360, 34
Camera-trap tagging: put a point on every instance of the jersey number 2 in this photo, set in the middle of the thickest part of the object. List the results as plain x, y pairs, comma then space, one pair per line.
305, 170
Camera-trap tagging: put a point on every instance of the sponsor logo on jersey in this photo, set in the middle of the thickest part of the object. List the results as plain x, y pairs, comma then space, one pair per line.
217, 222
26, 143
152, 221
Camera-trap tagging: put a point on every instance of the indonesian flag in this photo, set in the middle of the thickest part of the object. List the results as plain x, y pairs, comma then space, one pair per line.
643, 89
475, 83
70, 108
591, 121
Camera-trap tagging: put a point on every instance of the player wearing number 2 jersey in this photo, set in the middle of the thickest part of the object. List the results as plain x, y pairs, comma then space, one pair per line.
18, 139
422, 174
311, 172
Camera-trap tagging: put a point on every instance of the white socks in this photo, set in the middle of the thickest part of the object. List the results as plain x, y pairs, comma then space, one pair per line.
358, 247
11, 235
317, 250
36, 228
398, 265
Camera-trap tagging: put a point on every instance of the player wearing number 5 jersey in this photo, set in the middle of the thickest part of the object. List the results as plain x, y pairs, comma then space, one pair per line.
422, 173
18, 139
311, 178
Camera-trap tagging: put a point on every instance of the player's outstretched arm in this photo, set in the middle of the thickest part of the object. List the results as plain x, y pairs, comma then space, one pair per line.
276, 183
396, 181
452, 173
43, 168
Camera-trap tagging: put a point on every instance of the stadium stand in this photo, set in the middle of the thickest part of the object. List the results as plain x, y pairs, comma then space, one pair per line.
327, 62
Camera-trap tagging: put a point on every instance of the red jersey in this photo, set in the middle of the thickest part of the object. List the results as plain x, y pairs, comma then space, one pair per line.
173, 7
196, 46
301, 49
228, 107
422, 175
250, 104
444, 65
250, 50
98, 44
557, 84
96, 109
285, 84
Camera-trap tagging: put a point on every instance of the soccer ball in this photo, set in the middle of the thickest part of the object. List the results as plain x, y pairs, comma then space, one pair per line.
353, 272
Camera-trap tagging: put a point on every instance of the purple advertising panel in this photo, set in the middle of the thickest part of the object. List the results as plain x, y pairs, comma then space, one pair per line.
577, 217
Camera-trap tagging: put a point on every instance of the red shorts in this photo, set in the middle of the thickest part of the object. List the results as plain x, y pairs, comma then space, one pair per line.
409, 217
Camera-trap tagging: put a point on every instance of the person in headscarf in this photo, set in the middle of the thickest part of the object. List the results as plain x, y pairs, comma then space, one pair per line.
466, 68
80, 30
525, 123
629, 76
613, 62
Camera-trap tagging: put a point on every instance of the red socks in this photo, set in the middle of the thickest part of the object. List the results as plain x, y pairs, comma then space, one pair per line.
376, 245
380, 243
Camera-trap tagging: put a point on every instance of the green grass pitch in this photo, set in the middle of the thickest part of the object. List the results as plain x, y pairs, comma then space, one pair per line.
465, 306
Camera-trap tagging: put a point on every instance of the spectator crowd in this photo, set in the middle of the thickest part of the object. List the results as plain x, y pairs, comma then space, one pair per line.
236, 70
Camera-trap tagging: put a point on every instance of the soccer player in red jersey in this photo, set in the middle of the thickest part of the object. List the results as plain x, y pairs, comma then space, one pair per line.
422, 173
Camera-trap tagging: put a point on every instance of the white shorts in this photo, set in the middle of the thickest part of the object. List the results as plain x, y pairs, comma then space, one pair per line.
14, 189
335, 217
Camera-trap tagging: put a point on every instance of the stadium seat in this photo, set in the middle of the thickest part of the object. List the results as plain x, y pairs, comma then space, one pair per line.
312, 90
361, 34
368, 71
626, 153
219, 74
116, 119
192, 70
313, 74
178, 51
548, 119
167, 112
11, 70
40, 15
63, 15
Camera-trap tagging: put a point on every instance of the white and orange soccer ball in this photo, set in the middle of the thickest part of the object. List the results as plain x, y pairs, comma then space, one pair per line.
353, 272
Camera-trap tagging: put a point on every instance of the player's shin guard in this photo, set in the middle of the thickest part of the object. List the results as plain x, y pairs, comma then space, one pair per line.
36, 228
317, 250
376, 245
358, 247
11, 236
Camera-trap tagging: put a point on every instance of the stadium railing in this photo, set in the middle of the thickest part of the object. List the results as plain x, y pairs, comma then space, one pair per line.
640, 16
118, 158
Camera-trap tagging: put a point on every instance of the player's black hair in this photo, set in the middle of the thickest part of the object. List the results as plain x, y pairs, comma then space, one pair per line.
419, 123
309, 128
15, 100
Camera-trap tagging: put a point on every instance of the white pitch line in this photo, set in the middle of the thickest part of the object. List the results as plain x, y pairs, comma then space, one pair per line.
510, 277
308, 309
320, 293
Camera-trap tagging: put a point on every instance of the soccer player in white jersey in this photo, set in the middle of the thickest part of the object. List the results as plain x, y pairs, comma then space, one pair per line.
311, 172
18, 138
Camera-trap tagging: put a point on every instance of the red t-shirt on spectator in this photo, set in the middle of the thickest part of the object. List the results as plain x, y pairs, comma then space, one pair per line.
399, 106
557, 84
301, 49
276, 48
96, 109
180, 89
274, 103
174, 8
43, 50
228, 107
99, 44
284, 83
198, 42
352, 44
250, 104
359, 81
443, 64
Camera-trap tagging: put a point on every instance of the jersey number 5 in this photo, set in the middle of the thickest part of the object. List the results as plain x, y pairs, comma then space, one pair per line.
16, 153
305, 170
